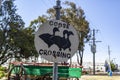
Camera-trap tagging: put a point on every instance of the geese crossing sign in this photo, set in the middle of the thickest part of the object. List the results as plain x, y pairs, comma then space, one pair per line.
56, 41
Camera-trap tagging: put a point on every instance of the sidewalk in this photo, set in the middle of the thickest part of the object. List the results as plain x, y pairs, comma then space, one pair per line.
98, 77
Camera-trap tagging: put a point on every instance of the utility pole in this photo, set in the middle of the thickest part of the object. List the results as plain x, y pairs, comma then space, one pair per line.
0, 3
93, 49
109, 56
109, 52
110, 71
55, 67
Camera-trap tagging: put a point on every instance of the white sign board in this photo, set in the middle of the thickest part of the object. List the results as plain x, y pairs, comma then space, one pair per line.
56, 41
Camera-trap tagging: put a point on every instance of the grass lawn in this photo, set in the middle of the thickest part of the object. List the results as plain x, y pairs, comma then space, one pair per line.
97, 77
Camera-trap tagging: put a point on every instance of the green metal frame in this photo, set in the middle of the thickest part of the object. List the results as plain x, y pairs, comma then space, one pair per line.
63, 71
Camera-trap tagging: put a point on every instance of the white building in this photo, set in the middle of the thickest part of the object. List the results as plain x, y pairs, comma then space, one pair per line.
88, 66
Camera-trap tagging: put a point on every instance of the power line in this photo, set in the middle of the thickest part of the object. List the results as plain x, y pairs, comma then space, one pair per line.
51, 2
44, 4
77, 2
47, 5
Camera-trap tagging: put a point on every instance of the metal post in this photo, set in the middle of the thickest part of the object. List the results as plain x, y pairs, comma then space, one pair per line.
94, 51
57, 8
55, 68
0, 3
109, 52
55, 71
109, 57
93, 63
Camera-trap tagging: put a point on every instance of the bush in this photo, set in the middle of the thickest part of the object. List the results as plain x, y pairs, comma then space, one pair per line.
2, 74
2, 68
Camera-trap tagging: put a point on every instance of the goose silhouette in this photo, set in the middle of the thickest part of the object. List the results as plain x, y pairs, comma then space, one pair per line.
62, 42
47, 37
68, 43
59, 41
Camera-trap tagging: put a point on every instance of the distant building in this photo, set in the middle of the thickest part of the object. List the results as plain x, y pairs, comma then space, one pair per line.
88, 66
119, 68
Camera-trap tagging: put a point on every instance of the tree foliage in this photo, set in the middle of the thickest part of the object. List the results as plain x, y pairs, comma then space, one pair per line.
15, 40
113, 66
73, 15
76, 17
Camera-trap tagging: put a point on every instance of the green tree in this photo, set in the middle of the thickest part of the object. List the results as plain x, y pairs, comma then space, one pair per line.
76, 17
15, 40
113, 66
73, 15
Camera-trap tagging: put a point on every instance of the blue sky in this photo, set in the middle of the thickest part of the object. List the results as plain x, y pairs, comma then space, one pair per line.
103, 15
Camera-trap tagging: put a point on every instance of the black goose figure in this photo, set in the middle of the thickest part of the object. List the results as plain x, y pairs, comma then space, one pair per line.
47, 37
68, 43
60, 41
